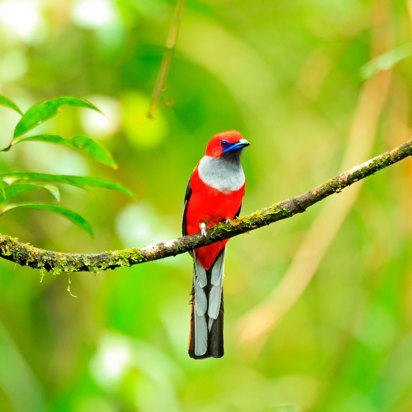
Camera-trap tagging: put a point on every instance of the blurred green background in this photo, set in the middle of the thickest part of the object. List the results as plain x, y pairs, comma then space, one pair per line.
318, 307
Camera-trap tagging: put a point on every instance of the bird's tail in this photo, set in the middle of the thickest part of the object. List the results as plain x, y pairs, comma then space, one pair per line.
206, 322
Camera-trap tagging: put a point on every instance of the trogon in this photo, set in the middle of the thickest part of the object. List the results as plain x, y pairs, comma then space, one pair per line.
214, 194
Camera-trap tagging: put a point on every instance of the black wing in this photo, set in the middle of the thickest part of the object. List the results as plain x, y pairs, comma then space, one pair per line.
238, 212
187, 197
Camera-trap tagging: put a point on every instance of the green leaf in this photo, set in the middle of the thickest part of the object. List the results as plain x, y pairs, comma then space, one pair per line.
4, 101
54, 191
44, 111
81, 143
79, 181
387, 60
17, 188
67, 213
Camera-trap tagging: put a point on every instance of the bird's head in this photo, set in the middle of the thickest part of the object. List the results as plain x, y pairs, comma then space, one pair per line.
226, 144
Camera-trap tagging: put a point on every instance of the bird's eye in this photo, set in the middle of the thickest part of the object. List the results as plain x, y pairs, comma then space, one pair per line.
224, 143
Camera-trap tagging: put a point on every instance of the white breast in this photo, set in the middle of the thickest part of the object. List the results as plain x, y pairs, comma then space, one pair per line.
223, 175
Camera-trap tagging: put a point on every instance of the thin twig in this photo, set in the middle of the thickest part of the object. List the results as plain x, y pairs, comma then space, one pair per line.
167, 57
27, 255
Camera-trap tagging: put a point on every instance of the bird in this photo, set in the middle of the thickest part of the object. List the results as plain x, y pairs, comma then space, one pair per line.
213, 195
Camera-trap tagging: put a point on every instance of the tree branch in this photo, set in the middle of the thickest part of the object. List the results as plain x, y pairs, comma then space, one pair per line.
46, 260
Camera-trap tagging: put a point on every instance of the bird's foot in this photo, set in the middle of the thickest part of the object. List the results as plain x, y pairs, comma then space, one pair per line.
227, 221
203, 227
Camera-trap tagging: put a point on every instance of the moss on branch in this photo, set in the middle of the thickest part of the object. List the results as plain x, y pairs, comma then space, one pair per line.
46, 260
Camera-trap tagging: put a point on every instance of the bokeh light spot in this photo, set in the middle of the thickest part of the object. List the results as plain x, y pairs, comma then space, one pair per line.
20, 16
140, 130
97, 125
93, 13
111, 361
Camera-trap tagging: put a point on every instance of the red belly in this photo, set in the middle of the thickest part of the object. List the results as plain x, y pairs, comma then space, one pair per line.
210, 206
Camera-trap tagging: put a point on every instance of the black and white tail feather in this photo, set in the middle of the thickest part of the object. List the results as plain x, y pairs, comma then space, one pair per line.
206, 325
206, 322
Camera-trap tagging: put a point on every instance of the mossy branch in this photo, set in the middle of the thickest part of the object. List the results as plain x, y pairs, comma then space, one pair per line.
46, 260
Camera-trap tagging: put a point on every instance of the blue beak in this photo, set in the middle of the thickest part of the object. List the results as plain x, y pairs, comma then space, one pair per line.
236, 146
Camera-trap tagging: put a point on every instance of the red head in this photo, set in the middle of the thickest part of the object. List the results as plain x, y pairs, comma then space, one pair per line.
225, 142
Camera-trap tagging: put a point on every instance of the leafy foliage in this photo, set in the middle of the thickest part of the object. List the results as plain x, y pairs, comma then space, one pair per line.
46, 110
4, 101
67, 213
82, 144
78, 181
16, 188
23, 182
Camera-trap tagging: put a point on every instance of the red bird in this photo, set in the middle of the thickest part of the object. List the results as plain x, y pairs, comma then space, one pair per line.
214, 194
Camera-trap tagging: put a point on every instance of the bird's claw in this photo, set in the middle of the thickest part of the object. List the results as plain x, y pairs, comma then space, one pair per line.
203, 229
